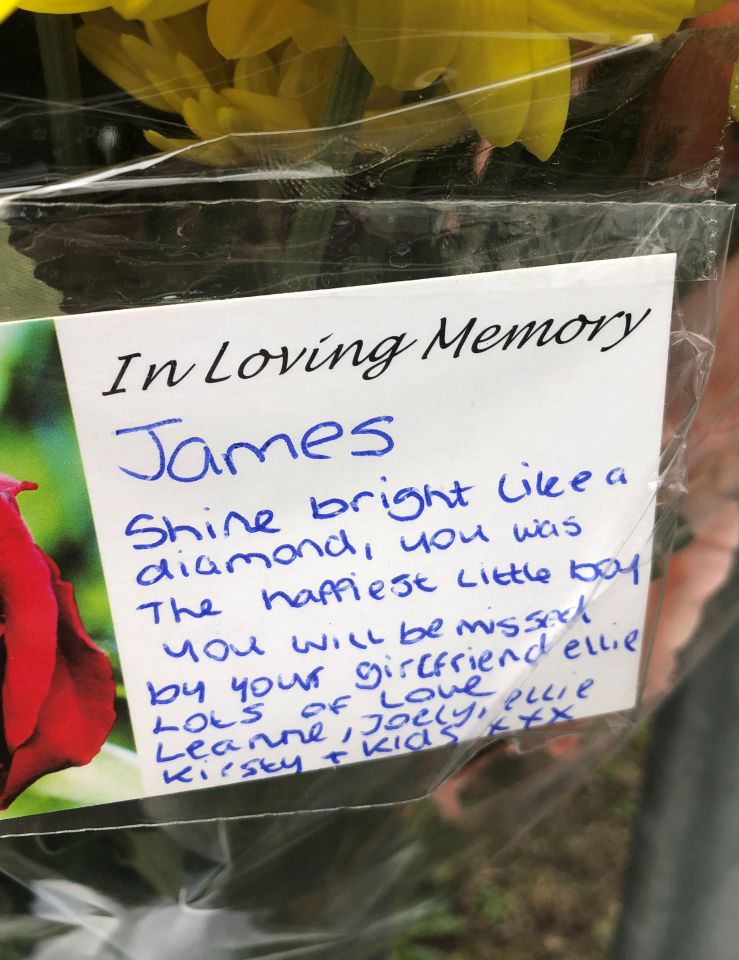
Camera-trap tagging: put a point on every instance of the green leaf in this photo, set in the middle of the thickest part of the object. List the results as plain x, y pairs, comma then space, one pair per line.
494, 903
57, 512
441, 923
23, 295
111, 776
414, 951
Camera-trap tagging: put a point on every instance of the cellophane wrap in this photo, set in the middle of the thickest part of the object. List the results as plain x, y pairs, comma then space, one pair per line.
109, 201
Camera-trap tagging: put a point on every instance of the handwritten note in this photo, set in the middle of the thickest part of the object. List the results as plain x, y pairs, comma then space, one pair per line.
348, 524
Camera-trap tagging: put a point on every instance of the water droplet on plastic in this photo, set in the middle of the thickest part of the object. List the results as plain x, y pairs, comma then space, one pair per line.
401, 256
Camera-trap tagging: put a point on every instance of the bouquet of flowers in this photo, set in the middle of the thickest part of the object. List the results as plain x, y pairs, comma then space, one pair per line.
179, 151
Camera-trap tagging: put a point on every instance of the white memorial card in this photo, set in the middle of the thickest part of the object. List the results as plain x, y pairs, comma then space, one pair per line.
349, 524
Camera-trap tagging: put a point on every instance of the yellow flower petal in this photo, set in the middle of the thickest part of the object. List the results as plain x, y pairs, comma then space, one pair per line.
188, 72
268, 113
6, 8
167, 144
245, 28
159, 69
405, 44
256, 73
201, 119
187, 33
69, 6
231, 120
550, 93
103, 49
431, 124
309, 28
109, 20
611, 21
219, 153
491, 72
307, 77
171, 97
175, 77
152, 9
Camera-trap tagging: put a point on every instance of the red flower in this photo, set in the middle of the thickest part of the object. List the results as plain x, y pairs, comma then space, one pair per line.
56, 700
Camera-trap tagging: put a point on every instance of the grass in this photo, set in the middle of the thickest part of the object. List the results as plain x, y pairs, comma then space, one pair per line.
554, 895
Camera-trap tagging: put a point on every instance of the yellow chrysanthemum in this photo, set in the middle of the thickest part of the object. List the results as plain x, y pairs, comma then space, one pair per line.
173, 66
606, 21
260, 66
129, 9
246, 28
162, 62
507, 62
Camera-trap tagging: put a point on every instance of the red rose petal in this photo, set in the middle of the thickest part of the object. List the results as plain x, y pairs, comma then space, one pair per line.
58, 689
77, 715
12, 487
31, 616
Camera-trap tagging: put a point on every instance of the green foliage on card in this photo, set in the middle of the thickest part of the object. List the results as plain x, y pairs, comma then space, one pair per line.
111, 776
38, 443
24, 296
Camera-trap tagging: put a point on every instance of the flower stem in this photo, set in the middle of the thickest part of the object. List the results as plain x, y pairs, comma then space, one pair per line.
310, 230
349, 89
63, 89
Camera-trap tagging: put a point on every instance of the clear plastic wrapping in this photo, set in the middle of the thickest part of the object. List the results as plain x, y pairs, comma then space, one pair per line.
154, 192
437, 238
